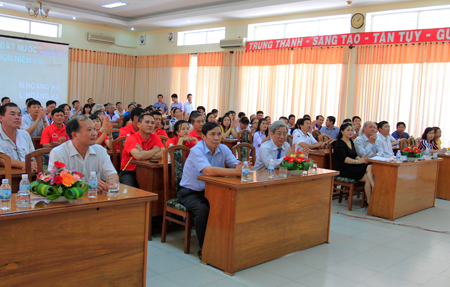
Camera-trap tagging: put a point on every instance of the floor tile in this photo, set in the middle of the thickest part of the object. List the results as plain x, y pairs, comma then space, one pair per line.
385, 280
388, 253
324, 279
355, 244
161, 281
407, 246
258, 277
373, 237
293, 284
193, 276
435, 253
409, 273
152, 250
350, 271
390, 231
414, 238
438, 281
371, 261
427, 264
287, 268
164, 263
226, 282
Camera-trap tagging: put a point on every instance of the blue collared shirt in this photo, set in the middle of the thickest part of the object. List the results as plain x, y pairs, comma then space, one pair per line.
365, 148
200, 158
397, 136
177, 105
161, 105
333, 132
268, 151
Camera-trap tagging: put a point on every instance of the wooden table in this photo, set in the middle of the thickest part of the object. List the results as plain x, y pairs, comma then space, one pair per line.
443, 183
403, 188
229, 143
36, 142
260, 220
86, 242
16, 176
320, 157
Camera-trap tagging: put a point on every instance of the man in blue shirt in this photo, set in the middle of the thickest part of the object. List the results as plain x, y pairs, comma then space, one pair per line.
176, 103
207, 157
329, 128
400, 132
161, 104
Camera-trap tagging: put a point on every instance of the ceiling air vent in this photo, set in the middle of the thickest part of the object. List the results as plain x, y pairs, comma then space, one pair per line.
101, 38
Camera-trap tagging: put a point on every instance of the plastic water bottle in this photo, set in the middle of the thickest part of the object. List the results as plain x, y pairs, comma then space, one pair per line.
93, 185
427, 153
271, 168
23, 195
399, 156
245, 171
168, 155
237, 153
5, 194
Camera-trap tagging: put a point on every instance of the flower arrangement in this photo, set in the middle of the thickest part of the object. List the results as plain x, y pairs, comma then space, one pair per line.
59, 182
412, 152
297, 161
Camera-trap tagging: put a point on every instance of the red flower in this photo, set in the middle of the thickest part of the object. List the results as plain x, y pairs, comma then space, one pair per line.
58, 180
286, 158
79, 174
308, 160
291, 160
59, 164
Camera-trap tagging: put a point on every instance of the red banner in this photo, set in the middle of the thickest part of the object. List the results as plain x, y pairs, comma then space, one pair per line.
371, 38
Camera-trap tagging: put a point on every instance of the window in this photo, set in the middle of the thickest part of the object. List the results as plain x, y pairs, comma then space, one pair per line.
29, 26
201, 37
293, 29
409, 20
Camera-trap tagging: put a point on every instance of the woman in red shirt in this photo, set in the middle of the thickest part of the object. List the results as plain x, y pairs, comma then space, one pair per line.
103, 138
181, 130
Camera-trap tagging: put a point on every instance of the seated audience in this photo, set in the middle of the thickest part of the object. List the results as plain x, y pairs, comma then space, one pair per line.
13, 141
158, 125
347, 121
307, 117
50, 105
240, 116
243, 125
197, 120
98, 107
181, 131
329, 128
384, 140
104, 131
208, 157
144, 144
428, 142
356, 122
366, 144
132, 128
228, 127
131, 106
276, 148
90, 101
232, 115
188, 106
303, 138
255, 122
86, 110
176, 103
284, 119
66, 109
119, 109
215, 112
348, 163
159, 104
437, 136
319, 122
35, 120
291, 120
252, 117
111, 113
5, 100
55, 134
82, 154
259, 115
210, 118
126, 121
269, 120
262, 131
25, 110
202, 110
400, 132
76, 109
178, 115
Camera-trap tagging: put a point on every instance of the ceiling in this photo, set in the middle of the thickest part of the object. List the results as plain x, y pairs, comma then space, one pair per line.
146, 15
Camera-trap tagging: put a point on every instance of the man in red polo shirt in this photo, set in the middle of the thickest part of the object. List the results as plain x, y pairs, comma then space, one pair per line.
133, 128
158, 117
144, 144
55, 134
197, 120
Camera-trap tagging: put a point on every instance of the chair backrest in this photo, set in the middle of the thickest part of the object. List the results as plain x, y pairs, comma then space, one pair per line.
164, 140
403, 144
173, 171
245, 136
117, 148
324, 138
7, 160
331, 152
316, 134
290, 139
411, 141
244, 151
39, 155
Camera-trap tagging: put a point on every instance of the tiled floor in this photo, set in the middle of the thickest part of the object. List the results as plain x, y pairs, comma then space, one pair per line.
360, 253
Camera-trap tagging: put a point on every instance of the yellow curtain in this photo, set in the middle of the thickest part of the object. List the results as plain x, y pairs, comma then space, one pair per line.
300, 81
105, 77
407, 83
161, 74
213, 81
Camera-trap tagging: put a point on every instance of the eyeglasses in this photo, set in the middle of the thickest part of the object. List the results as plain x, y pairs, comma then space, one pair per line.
280, 134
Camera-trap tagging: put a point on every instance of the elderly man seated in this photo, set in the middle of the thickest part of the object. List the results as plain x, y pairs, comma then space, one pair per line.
276, 148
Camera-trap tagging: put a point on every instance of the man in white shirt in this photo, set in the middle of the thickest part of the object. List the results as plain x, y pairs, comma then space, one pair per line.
188, 106
25, 110
76, 109
384, 140
243, 125
303, 138
13, 141
35, 120
113, 117
82, 154
366, 144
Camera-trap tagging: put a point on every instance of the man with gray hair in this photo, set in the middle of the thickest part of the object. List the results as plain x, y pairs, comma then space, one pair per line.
98, 107
276, 148
366, 143
113, 117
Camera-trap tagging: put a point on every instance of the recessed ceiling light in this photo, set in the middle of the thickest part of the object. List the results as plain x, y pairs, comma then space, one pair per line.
74, 18
1, 4
189, 21
132, 28
114, 5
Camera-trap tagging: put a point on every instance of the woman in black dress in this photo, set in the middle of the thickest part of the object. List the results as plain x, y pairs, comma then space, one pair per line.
348, 163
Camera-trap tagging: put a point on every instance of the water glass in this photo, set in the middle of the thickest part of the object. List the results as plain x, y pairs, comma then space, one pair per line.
113, 187
313, 169
283, 171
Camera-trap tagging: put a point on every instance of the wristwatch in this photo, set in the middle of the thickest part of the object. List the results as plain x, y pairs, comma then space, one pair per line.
356, 161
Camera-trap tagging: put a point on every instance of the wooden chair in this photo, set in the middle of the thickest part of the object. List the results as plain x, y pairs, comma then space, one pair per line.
245, 136
42, 163
172, 178
412, 142
117, 148
164, 140
347, 185
7, 160
290, 139
324, 138
403, 143
244, 152
316, 134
